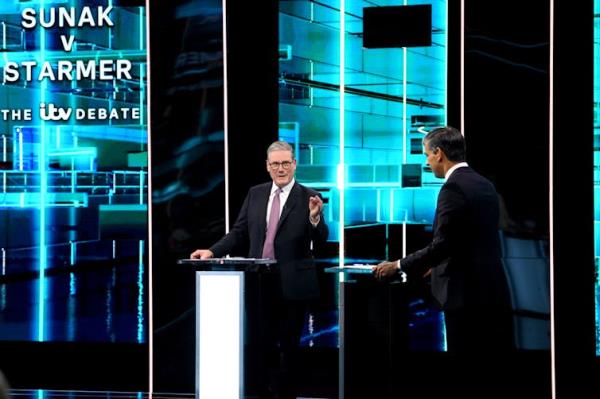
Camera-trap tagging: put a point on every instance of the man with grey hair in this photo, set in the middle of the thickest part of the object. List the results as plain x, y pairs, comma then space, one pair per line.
280, 220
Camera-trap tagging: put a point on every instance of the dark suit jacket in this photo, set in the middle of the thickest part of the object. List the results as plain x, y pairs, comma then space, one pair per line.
292, 242
464, 255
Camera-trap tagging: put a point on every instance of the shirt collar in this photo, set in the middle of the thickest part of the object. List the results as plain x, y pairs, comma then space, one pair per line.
452, 169
286, 189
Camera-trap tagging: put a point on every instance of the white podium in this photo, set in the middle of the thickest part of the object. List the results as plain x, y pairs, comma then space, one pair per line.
220, 325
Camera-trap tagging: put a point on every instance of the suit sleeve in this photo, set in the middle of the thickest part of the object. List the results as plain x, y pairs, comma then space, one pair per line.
450, 214
237, 236
320, 232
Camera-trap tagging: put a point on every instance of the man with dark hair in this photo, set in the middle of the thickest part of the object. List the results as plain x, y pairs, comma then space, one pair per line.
467, 277
280, 220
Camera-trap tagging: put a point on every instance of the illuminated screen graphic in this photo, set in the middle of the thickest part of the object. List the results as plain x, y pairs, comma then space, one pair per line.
368, 165
73, 189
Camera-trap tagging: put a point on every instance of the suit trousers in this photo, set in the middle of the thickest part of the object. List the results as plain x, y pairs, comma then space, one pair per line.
280, 325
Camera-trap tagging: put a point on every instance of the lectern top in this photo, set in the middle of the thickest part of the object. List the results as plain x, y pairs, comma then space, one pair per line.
227, 261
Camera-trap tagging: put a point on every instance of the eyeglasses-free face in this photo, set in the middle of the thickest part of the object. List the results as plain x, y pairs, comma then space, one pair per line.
281, 166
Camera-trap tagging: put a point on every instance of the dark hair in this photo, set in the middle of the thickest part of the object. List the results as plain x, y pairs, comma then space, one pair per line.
450, 140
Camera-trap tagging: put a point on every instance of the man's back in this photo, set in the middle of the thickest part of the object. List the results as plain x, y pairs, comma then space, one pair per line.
480, 223
473, 276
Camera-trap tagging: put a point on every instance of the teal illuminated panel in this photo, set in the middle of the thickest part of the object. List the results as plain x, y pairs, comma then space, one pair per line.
357, 117
73, 154
387, 99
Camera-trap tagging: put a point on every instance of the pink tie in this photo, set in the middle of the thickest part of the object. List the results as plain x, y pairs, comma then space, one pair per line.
268, 249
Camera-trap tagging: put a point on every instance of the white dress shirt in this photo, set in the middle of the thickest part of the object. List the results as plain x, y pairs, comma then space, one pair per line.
452, 169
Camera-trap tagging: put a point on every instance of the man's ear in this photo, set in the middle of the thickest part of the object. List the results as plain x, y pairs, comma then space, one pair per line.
440, 153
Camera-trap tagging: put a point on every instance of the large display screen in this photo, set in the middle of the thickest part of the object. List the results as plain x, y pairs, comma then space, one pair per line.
74, 158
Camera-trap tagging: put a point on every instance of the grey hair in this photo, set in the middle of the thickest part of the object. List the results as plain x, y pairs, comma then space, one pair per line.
280, 146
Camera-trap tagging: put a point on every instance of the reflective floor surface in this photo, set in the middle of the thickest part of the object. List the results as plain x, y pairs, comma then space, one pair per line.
53, 394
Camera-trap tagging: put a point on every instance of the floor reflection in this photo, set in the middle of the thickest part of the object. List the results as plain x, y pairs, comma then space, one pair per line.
53, 394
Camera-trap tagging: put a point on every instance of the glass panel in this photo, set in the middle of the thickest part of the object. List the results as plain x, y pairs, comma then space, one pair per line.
391, 98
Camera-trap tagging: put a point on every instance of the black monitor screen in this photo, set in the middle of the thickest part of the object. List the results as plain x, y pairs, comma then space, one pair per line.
397, 26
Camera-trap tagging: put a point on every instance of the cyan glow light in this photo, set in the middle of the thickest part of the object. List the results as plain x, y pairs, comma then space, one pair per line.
43, 189
219, 335
142, 176
596, 165
443, 332
79, 152
150, 255
110, 35
20, 133
225, 117
109, 305
341, 180
140, 298
404, 98
341, 175
141, 29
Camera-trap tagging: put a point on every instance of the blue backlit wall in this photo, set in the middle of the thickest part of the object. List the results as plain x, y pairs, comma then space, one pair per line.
73, 189
357, 117
391, 96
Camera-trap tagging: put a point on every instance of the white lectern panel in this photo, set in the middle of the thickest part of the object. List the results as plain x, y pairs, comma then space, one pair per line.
219, 334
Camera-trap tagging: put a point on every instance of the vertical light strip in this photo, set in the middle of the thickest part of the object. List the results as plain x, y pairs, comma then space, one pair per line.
462, 67
312, 77
404, 235
141, 25
150, 270
20, 132
341, 175
391, 215
341, 187
110, 46
142, 97
140, 298
551, 201
404, 100
73, 252
3, 148
141, 186
225, 117
446, 67
43, 187
378, 205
